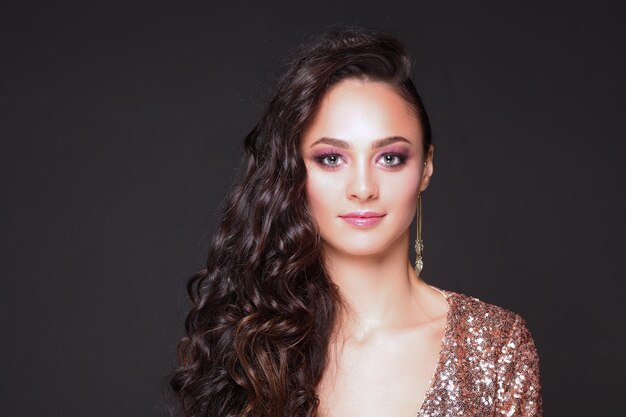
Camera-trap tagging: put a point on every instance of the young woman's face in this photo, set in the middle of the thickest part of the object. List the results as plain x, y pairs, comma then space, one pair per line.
363, 152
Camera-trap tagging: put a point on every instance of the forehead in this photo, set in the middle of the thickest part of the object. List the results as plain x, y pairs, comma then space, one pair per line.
356, 110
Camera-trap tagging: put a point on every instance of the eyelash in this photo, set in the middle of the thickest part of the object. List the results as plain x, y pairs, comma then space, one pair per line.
320, 159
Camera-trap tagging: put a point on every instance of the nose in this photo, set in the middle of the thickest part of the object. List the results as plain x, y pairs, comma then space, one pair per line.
362, 184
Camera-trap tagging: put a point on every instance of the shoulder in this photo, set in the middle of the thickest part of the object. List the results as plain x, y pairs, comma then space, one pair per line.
492, 346
480, 321
472, 308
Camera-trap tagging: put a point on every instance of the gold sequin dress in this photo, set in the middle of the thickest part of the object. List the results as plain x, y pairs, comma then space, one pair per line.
488, 364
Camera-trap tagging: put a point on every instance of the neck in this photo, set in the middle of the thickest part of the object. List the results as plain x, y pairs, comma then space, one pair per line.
379, 292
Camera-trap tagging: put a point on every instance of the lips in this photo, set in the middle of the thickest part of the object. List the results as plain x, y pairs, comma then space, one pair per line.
363, 218
362, 214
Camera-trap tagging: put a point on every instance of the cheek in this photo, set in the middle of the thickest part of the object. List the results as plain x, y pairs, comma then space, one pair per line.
401, 190
399, 196
322, 196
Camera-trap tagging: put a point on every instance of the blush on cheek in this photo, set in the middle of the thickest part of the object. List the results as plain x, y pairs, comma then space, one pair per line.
404, 194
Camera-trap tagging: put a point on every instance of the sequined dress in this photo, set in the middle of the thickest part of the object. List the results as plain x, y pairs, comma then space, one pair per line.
488, 363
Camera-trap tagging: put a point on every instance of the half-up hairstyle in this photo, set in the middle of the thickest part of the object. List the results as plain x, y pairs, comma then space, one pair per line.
264, 307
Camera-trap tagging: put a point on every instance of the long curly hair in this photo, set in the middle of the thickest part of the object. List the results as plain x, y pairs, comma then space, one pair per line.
264, 307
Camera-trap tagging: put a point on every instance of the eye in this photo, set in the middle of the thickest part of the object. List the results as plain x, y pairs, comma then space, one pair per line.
393, 159
333, 160
330, 160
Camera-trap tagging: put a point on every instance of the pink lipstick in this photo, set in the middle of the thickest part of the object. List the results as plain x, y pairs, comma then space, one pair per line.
363, 218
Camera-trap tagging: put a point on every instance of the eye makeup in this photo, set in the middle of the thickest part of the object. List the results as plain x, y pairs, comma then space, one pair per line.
399, 156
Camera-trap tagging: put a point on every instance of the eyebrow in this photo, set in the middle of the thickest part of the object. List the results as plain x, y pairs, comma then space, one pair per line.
379, 143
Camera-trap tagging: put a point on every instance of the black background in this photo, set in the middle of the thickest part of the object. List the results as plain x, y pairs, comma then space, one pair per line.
122, 126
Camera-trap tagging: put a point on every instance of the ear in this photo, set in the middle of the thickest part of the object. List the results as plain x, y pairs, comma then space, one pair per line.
428, 168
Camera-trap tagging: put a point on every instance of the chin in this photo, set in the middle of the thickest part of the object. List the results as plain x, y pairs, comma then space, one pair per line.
357, 247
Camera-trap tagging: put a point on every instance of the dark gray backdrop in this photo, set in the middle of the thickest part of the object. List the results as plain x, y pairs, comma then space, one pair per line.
121, 126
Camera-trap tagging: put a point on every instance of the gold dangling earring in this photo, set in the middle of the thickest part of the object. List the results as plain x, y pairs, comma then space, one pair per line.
419, 243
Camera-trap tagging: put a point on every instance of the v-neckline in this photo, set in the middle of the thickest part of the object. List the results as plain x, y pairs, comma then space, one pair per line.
446, 336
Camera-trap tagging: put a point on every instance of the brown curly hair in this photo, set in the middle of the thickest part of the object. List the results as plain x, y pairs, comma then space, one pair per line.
264, 307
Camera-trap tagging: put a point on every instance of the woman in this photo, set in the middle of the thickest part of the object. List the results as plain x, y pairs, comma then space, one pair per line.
309, 304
